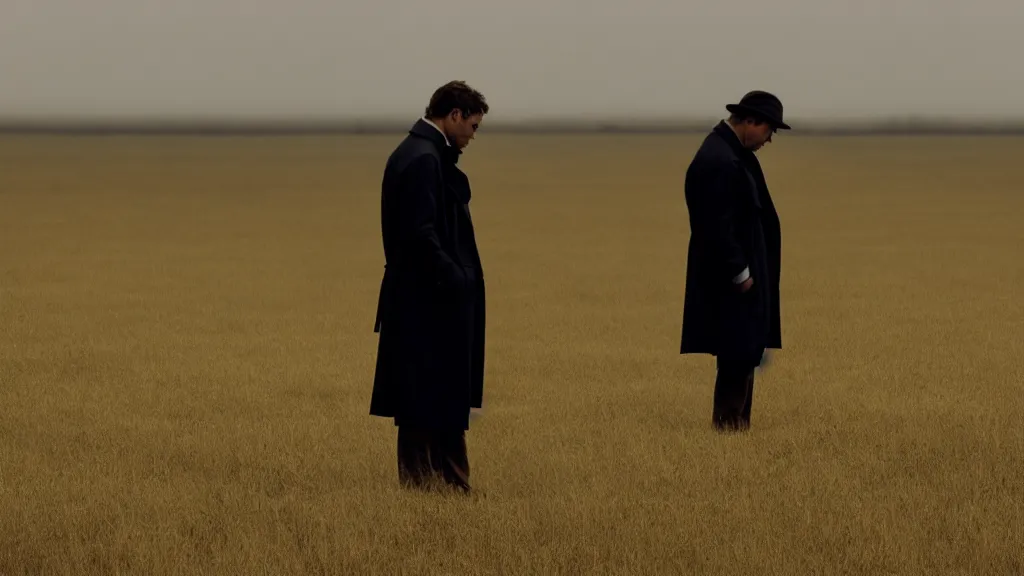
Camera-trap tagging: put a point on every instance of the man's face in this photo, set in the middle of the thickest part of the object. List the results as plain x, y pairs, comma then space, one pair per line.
758, 134
462, 130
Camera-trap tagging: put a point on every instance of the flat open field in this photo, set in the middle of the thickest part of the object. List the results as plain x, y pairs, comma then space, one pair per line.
186, 357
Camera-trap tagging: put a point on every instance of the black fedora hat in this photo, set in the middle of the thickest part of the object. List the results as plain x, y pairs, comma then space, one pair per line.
761, 104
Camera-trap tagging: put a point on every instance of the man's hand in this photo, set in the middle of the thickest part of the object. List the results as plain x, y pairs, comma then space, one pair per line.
746, 285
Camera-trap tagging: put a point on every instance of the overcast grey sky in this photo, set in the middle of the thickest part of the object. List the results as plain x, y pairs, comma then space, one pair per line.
648, 58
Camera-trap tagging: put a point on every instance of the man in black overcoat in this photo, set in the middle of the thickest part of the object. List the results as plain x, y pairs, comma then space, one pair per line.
731, 307
430, 316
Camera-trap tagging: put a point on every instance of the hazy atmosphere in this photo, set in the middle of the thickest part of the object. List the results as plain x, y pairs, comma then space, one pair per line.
313, 59
193, 203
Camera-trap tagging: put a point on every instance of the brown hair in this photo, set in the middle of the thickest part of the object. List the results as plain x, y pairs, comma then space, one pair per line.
456, 95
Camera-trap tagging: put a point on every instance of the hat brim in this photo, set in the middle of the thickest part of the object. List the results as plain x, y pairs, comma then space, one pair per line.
741, 109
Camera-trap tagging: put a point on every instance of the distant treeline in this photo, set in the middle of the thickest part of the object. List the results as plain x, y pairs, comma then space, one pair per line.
206, 127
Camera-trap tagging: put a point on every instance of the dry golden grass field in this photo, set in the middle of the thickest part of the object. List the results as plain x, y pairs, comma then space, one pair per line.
186, 358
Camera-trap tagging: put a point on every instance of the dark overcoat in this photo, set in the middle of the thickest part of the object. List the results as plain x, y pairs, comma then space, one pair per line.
431, 311
733, 225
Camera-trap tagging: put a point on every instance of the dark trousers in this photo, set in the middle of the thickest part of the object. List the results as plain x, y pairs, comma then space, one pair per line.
734, 394
428, 457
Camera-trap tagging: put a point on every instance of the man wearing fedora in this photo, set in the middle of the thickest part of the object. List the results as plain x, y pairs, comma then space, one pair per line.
731, 306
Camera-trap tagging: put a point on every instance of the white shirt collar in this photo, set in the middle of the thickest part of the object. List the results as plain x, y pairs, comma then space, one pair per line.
428, 121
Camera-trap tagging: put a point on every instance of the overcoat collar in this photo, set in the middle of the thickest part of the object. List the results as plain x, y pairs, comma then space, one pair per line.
748, 159
449, 154
424, 130
726, 133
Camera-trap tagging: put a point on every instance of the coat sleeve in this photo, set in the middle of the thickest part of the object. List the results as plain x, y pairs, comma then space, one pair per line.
419, 191
718, 220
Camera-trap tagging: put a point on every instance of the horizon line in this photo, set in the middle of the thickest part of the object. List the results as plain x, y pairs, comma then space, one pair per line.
270, 126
